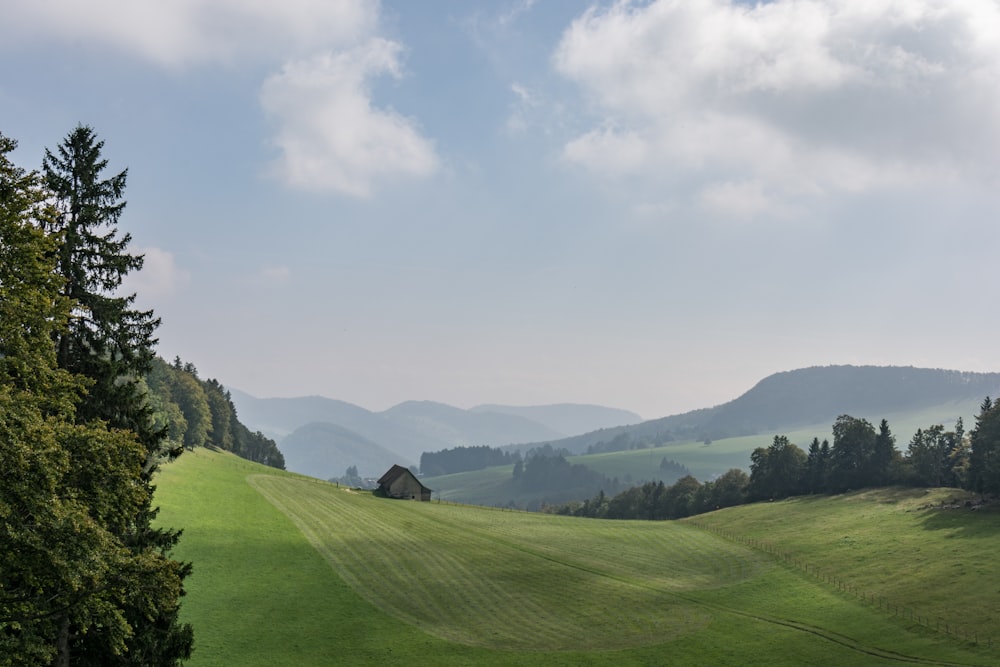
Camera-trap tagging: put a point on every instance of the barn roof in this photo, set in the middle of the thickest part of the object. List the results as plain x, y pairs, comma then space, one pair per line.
394, 473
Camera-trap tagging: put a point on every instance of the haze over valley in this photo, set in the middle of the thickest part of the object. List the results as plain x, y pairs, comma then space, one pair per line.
323, 437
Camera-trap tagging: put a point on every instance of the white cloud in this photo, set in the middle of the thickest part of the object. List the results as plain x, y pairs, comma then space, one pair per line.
616, 150
794, 98
185, 32
516, 10
160, 276
330, 135
521, 109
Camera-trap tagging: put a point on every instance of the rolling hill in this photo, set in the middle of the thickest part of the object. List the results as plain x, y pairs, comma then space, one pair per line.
793, 399
290, 570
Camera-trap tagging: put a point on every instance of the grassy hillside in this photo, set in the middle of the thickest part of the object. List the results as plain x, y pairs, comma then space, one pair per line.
896, 546
294, 571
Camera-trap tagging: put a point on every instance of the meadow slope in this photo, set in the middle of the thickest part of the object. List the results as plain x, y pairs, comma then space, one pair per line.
294, 571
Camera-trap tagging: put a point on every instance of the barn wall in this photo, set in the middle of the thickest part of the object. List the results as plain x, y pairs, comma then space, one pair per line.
405, 487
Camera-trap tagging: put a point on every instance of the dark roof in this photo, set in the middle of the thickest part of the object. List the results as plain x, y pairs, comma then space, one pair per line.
394, 473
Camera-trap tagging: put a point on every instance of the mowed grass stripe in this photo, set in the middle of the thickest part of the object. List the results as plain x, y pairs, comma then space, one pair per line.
668, 554
600, 607
422, 563
376, 558
475, 602
310, 511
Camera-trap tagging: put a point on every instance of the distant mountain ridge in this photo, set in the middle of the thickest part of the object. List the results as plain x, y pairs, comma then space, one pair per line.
806, 396
403, 432
782, 401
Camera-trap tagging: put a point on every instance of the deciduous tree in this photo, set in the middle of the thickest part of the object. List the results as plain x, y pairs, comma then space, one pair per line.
851, 455
777, 471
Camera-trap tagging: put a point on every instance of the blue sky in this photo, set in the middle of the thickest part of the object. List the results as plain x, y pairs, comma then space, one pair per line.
646, 205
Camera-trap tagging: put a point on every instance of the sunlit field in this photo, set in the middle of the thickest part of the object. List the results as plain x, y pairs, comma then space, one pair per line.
290, 570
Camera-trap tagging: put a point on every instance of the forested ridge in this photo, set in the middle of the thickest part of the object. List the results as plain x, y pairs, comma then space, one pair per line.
200, 413
801, 397
88, 413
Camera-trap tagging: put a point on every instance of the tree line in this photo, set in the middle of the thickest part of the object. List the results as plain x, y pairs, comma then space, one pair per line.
85, 576
200, 413
860, 456
626, 441
463, 459
657, 501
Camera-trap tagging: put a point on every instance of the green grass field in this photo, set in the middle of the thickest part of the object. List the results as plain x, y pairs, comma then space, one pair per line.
294, 571
892, 546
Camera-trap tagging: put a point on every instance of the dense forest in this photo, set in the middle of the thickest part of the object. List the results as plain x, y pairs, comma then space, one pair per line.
200, 413
860, 456
463, 459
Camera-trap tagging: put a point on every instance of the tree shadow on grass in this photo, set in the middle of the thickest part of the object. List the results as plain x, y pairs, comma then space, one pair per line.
968, 516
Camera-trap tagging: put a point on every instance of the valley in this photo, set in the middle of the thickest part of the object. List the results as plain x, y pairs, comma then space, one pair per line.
322, 574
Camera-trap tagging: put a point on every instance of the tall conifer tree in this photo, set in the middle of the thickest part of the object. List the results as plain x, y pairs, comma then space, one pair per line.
107, 340
884, 454
984, 459
110, 342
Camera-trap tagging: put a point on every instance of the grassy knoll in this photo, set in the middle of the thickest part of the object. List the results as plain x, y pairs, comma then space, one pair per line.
294, 571
895, 546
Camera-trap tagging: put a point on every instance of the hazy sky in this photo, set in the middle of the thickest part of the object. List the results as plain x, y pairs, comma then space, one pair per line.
646, 205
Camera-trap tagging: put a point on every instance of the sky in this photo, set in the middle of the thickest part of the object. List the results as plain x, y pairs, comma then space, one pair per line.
643, 205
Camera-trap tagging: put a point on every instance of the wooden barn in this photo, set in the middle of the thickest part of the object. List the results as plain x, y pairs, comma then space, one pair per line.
399, 482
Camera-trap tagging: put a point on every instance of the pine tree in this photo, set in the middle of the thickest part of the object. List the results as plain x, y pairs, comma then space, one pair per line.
110, 343
884, 454
817, 461
107, 340
984, 457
